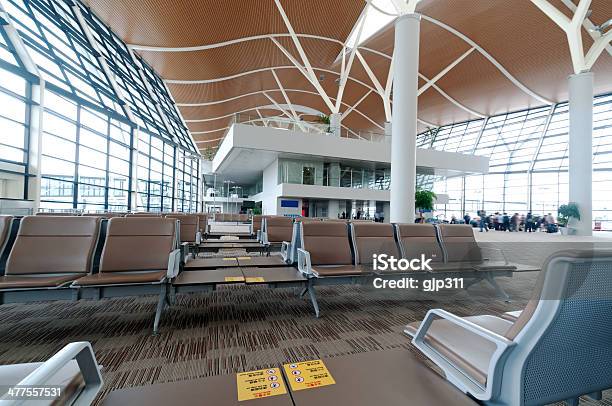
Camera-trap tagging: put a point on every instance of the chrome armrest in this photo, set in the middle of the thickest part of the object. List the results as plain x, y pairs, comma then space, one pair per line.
285, 249
264, 238
304, 264
198, 238
83, 354
458, 377
259, 235
174, 263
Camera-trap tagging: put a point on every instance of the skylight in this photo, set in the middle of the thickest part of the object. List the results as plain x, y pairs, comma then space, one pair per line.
378, 14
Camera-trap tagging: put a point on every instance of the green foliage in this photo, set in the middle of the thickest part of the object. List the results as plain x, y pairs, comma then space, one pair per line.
424, 199
257, 210
324, 119
567, 211
209, 153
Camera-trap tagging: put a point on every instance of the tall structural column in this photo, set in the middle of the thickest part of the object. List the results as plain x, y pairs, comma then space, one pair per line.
404, 121
335, 124
581, 149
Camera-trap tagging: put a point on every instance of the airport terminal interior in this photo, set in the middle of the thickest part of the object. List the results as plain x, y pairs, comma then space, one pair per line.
306, 202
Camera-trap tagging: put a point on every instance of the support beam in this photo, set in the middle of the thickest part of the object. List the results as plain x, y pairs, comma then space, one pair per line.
581, 149
404, 128
444, 71
303, 56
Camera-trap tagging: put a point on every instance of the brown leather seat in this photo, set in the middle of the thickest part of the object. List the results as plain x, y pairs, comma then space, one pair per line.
203, 221
373, 238
330, 253
143, 214
189, 226
51, 251
417, 239
136, 251
257, 220
471, 352
279, 229
461, 247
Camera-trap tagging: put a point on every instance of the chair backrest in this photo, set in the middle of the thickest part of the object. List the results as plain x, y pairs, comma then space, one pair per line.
372, 238
279, 229
417, 239
57, 213
256, 223
203, 219
143, 214
458, 243
138, 243
563, 336
327, 242
53, 245
189, 226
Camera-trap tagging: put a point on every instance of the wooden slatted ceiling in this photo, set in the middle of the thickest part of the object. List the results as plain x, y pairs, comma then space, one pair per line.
518, 35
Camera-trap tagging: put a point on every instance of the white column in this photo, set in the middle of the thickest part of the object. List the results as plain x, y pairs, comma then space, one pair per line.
333, 209
404, 128
334, 124
581, 149
388, 131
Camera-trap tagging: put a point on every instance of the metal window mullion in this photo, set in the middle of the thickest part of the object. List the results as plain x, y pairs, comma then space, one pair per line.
536, 153
102, 61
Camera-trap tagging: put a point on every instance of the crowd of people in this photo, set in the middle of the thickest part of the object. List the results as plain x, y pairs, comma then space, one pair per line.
511, 223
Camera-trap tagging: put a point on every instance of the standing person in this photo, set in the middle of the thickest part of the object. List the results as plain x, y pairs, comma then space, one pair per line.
453, 219
506, 222
514, 222
467, 218
483, 221
529, 222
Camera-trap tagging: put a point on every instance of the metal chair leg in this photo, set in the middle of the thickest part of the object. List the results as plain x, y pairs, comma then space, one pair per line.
498, 289
313, 299
160, 308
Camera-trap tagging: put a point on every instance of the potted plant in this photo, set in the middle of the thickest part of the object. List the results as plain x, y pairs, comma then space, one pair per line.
323, 119
209, 153
568, 213
424, 201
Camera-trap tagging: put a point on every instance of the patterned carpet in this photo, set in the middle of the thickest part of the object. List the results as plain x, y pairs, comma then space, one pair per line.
234, 329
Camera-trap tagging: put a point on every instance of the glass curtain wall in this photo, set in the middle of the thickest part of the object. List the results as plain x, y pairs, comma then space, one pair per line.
528, 166
92, 116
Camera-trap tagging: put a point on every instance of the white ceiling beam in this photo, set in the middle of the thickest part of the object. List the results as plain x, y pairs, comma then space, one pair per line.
346, 67
303, 56
312, 78
265, 123
382, 92
490, 58
282, 89
445, 71
354, 106
588, 25
573, 31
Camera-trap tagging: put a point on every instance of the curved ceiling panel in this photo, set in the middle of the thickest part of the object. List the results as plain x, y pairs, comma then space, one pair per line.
519, 58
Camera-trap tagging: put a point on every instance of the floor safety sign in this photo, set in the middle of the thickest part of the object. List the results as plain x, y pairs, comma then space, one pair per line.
260, 384
308, 374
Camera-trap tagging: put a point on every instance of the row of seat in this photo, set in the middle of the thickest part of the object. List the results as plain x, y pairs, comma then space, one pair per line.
57, 257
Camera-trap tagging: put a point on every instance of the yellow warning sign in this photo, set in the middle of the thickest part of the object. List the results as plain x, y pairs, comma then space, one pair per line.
234, 279
308, 374
244, 258
260, 384
255, 279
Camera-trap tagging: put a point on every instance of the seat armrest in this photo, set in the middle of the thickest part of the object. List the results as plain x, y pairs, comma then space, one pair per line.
285, 249
83, 354
174, 263
454, 374
264, 238
487, 251
259, 235
304, 264
198, 238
